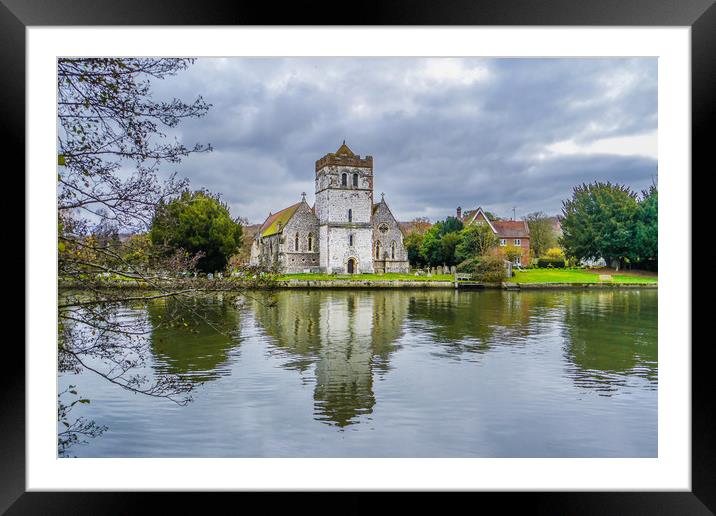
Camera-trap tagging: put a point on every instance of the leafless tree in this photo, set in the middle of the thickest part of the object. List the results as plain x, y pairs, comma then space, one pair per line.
111, 142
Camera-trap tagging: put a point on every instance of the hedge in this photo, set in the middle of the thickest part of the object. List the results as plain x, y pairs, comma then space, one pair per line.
556, 263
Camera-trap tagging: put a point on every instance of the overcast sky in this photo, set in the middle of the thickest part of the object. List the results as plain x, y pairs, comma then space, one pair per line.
498, 133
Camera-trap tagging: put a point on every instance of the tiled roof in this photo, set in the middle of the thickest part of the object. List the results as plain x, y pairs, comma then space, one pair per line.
511, 228
276, 222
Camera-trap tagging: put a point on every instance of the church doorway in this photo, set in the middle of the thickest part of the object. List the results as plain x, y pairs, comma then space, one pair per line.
351, 266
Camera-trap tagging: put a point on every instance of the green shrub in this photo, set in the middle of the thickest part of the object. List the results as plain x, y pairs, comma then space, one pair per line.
467, 265
550, 263
490, 269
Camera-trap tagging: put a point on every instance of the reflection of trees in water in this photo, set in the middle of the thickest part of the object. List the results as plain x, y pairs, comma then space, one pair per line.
347, 335
475, 322
192, 337
292, 319
350, 336
611, 336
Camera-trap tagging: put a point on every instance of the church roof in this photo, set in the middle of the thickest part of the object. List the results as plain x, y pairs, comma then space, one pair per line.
275, 223
344, 150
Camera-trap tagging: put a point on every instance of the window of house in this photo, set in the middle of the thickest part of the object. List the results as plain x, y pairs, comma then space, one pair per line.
355, 179
377, 250
310, 242
518, 241
392, 250
344, 180
518, 260
295, 243
503, 241
350, 240
350, 215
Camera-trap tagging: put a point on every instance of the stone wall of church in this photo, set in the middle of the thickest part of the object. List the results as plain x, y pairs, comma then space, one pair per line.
268, 251
388, 250
303, 227
344, 212
340, 250
332, 205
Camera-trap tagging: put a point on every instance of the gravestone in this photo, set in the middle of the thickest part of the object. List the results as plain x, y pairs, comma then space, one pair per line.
440, 269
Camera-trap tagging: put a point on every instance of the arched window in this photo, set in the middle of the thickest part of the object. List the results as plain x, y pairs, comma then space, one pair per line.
377, 250
295, 243
392, 250
355, 179
350, 215
310, 242
344, 180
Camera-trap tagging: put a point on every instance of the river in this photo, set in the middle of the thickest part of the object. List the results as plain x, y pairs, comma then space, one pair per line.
390, 373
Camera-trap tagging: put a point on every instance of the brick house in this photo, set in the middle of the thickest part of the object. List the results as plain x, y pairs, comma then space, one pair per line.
509, 232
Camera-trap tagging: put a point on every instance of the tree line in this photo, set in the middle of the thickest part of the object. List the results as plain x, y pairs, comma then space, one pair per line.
601, 220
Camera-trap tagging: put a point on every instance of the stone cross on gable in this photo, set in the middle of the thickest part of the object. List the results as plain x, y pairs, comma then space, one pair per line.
303, 196
382, 196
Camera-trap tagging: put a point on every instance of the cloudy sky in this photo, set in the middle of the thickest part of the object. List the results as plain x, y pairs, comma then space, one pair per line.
499, 133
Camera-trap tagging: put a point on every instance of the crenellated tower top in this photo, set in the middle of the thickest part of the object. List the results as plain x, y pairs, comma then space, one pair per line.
344, 157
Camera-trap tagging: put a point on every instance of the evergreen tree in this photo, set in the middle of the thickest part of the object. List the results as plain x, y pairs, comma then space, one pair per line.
198, 222
598, 222
646, 229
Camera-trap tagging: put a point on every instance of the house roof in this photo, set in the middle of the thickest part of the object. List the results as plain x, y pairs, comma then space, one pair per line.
502, 228
467, 215
275, 223
511, 228
472, 215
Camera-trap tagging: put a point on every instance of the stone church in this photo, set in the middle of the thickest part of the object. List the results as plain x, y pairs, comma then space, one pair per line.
344, 232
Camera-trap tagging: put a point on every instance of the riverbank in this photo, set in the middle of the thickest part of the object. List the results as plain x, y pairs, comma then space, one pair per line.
596, 276
528, 280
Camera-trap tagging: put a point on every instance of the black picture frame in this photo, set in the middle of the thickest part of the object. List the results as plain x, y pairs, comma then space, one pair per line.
700, 15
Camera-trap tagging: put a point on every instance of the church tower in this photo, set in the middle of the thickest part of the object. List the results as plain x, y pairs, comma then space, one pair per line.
344, 208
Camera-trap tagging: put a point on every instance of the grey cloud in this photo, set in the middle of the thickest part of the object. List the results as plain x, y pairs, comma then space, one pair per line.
438, 140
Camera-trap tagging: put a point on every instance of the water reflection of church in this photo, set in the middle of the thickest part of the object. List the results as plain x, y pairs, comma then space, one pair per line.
606, 337
348, 336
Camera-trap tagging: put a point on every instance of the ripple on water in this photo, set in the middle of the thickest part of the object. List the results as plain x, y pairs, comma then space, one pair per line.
394, 373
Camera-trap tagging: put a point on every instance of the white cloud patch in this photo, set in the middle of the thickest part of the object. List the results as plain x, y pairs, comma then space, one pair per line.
632, 145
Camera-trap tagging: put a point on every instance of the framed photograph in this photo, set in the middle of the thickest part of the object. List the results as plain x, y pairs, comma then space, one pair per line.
416, 251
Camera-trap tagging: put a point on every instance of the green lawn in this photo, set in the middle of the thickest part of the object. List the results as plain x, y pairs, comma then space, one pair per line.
576, 276
391, 276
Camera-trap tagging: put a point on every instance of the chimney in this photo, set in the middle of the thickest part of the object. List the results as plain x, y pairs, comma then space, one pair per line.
459, 213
